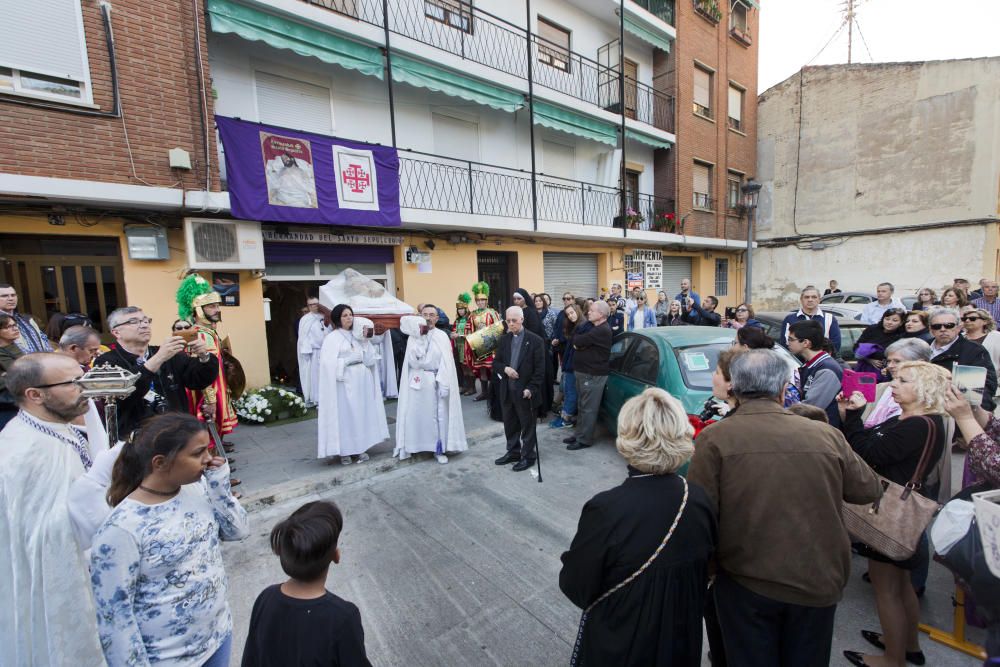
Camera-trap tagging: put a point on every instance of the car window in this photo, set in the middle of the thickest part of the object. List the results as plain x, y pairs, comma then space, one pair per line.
832, 298
857, 298
848, 336
643, 363
619, 348
697, 363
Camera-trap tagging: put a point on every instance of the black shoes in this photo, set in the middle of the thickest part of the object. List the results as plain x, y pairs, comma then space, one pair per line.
509, 457
875, 639
570, 440
575, 445
523, 464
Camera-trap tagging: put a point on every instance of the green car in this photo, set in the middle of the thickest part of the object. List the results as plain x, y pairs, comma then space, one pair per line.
678, 359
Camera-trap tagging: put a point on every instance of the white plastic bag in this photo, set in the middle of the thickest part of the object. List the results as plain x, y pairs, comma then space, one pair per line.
951, 525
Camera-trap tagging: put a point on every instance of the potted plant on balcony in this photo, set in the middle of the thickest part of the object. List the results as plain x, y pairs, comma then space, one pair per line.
709, 9
665, 222
633, 219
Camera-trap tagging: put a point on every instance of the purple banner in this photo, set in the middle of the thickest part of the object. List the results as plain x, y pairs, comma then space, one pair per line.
281, 175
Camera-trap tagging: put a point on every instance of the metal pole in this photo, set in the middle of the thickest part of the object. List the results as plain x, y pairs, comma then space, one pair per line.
531, 118
621, 101
388, 69
750, 216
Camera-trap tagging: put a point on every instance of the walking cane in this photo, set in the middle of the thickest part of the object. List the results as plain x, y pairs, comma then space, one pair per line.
538, 459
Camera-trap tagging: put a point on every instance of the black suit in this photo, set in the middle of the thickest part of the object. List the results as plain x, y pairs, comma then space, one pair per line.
518, 412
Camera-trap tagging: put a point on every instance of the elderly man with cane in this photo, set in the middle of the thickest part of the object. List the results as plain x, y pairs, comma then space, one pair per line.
519, 370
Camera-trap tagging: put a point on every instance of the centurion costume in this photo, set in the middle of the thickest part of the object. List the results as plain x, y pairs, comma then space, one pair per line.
486, 327
192, 296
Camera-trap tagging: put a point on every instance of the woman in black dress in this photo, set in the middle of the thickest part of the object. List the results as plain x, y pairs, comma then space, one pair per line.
654, 619
893, 450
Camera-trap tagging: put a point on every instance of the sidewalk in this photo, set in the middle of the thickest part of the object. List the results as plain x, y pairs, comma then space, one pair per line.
277, 462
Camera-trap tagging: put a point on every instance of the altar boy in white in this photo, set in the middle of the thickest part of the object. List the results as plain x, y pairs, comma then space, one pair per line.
429, 412
351, 413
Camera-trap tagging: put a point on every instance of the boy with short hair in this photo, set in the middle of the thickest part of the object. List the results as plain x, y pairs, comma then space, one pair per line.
299, 622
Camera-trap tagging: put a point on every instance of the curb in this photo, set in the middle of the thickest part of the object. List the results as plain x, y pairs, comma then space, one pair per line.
324, 481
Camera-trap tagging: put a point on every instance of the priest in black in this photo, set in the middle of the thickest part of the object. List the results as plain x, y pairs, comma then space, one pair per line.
518, 374
656, 617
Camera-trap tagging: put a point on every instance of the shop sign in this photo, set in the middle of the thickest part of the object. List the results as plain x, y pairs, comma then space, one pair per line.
328, 237
634, 280
281, 175
642, 255
654, 275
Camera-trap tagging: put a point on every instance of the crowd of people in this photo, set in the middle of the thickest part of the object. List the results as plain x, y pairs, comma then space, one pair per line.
698, 534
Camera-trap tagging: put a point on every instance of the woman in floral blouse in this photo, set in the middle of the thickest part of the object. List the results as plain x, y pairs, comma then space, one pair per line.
981, 431
156, 563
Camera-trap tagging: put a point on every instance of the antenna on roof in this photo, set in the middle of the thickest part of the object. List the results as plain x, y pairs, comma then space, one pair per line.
851, 19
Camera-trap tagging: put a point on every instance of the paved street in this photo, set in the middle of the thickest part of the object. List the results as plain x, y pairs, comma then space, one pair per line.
458, 564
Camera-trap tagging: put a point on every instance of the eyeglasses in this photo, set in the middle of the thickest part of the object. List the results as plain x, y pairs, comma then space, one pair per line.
11, 325
135, 321
971, 318
75, 381
742, 310
567, 298
642, 298
792, 339
938, 327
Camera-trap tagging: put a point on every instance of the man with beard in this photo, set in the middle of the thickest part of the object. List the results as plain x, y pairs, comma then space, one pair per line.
291, 183
48, 615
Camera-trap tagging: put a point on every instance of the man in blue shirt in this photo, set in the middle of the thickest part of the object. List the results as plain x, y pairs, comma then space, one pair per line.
810, 310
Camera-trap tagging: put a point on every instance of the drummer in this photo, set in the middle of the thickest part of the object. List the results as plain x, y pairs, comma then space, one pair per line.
483, 316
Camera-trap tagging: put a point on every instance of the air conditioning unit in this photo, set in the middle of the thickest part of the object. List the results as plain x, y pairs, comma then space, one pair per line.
223, 244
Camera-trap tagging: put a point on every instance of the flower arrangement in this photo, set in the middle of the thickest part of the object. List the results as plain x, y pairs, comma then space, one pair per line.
269, 404
633, 218
665, 222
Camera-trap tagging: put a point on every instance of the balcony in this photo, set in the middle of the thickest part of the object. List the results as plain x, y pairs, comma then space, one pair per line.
661, 9
464, 30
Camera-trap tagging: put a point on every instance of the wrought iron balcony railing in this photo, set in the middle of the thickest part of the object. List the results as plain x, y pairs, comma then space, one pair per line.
436, 183
661, 9
464, 30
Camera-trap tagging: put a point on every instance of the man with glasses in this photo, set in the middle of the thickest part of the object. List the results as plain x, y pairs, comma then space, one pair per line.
872, 312
48, 615
949, 348
988, 300
165, 372
32, 338
518, 374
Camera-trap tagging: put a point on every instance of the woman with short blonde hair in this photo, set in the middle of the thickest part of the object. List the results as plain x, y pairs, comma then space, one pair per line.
639, 559
654, 434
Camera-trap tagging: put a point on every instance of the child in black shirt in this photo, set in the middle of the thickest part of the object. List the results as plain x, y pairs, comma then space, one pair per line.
299, 622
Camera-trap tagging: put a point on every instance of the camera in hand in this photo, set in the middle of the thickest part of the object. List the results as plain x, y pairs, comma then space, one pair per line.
730, 312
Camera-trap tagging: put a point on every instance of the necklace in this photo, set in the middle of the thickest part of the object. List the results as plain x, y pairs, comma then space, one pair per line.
165, 494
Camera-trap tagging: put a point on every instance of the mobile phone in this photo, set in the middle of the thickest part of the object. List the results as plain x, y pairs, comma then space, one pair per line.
856, 381
424, 329
369, 332
730, 312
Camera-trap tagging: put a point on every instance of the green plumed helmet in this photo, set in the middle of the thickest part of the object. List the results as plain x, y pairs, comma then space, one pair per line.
481, 289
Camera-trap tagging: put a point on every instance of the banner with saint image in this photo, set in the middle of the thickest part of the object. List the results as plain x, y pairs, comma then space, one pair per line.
277, 174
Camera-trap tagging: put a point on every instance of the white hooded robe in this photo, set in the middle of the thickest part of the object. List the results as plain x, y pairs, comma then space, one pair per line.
311, 335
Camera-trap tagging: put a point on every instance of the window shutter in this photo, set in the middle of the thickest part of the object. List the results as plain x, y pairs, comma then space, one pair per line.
456, 138
570, 272
553, 33
294, 104
702, 88
735, 103
702, 179
558, 160
44, 38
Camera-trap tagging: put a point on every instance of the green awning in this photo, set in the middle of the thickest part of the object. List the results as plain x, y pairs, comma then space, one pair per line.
281, 33
655, 142
647, 33
425, 75
565, 120
752, 3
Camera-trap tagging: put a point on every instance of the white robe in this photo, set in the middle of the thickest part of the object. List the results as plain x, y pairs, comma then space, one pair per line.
311, 335
351, 414
386, 365
47, 616
430, 405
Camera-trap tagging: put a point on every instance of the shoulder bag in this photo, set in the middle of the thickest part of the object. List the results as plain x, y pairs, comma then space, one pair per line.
893, 524
628, 580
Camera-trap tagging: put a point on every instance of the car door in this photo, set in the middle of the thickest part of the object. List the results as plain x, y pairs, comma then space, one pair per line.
636, 368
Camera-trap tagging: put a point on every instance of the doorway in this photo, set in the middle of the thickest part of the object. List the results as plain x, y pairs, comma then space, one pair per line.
499, 271
288, 302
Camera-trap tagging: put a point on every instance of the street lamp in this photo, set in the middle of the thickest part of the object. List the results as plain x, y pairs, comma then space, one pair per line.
750, 193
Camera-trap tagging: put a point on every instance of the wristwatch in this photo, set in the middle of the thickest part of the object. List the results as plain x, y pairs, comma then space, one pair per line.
205, 357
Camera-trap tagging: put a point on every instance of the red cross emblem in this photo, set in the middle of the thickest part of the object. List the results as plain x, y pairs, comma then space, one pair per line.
356, 178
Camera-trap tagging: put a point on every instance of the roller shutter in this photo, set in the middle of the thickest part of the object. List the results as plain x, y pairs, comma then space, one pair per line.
676, 269
570, 272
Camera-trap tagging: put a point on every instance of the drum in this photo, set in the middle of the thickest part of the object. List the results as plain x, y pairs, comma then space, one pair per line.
484, 342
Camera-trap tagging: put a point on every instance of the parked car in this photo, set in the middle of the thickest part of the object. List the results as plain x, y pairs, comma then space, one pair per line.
850, 330
847, 311
680, 360
848, 297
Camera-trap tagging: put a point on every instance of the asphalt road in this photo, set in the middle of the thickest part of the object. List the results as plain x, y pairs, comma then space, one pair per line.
459, 564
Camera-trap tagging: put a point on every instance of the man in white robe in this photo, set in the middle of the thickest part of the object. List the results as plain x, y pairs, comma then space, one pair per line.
385, 368
312, 331
429, 412
47, 616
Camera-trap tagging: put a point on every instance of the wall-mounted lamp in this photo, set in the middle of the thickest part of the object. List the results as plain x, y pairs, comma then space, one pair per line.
147, 243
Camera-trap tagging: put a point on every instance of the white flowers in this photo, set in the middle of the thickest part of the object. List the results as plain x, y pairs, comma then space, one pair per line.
268, 404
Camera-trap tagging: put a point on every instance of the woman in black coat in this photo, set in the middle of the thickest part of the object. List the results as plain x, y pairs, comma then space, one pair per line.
876, 338
655, 619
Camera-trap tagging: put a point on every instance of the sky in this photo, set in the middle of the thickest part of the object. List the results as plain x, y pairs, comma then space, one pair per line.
793, 32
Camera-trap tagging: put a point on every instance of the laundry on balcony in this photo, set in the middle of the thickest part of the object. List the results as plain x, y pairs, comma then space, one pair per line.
281, 33
432, 77
564, 120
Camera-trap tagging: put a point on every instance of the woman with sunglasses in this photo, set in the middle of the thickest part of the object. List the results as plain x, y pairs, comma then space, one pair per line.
744, 318
871, 345
675, 316
926, 299
642, 316
9, 352
980, 328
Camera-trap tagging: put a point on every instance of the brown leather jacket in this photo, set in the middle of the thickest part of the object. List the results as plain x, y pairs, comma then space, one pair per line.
777, 482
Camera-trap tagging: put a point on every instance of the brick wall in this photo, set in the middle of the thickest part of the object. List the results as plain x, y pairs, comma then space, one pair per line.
709, 43
158, 84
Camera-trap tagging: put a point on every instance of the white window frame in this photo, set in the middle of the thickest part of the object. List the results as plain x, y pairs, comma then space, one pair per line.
729, 117
746, 16
86, 89
712, 102
734, 176
551, 55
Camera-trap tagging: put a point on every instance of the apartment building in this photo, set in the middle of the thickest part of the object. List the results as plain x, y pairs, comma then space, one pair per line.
540, 143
